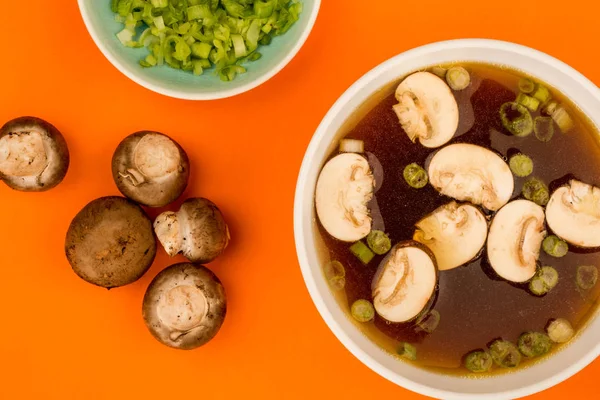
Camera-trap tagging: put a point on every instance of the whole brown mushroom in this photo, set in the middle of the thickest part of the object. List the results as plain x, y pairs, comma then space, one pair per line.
34, 156
110, 242
185, 306
198, 231
150, 168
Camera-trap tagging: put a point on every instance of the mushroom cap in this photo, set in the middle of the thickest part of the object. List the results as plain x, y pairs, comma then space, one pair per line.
150, 168
34, 156
573, 213
514, 240
344, 188
198, 231
472, 173
110, 242
427, 109
454, 233
405, 282
184, 306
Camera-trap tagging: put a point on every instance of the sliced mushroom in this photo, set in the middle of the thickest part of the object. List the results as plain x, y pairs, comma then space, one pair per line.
573, 213
472, 173
405, 282
514, 241
150, 168
33, 155
454, 233
185, 306
344, 188
110, 242
427, 109
198, 231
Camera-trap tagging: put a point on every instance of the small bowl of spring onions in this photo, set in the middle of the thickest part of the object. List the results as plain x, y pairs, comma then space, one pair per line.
199, 49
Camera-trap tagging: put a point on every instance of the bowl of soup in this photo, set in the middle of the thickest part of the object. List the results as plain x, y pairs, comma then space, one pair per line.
447, 220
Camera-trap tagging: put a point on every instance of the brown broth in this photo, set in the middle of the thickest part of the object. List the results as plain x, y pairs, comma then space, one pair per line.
475, 305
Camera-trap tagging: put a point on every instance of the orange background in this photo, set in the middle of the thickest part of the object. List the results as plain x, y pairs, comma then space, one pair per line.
64, 339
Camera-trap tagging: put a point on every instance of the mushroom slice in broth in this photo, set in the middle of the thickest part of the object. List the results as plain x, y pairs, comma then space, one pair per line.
472, 173
343, 190
427, 109
514, 240
405, 282
573, 213
455, 233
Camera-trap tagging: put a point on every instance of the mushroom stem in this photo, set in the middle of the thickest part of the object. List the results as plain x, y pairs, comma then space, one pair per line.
135, 177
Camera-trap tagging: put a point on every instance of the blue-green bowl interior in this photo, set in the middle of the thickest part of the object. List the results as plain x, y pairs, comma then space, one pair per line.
163, 79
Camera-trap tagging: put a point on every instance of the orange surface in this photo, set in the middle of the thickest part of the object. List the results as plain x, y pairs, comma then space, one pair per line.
64, 339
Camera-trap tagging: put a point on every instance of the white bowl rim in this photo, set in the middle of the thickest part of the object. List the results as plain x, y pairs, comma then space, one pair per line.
125, 69
299, 233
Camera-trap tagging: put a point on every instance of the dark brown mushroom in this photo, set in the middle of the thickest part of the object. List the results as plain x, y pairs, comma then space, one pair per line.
198, 231
150, 168
34, 156
185, 306
110, 242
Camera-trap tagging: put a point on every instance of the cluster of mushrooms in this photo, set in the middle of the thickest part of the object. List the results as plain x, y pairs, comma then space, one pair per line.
111, 242
454, 234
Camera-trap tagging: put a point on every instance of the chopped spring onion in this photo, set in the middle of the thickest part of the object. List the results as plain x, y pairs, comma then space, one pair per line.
587, 276
521, 165
362, 310
530, 102
543, 127
542, 93
407, 350
159, 3
335, 274
537, 191
560, 330
362, 252
125, 37
429, 321
439, 71
222, 34
555, 247
201, 50
543, 281
562, 119
526, 85
516, 119
379, 242
352, 146
550, 108
415, 176
505, 354
534, 344
478, 361
537, 287
458, 78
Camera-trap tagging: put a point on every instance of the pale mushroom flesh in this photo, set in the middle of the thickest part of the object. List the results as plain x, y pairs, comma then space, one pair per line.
405, 283
472, 173
150, 168
185, 306
455, 233
516, 234
573, 213
198, 231
426, 109
34, 156
343, 192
